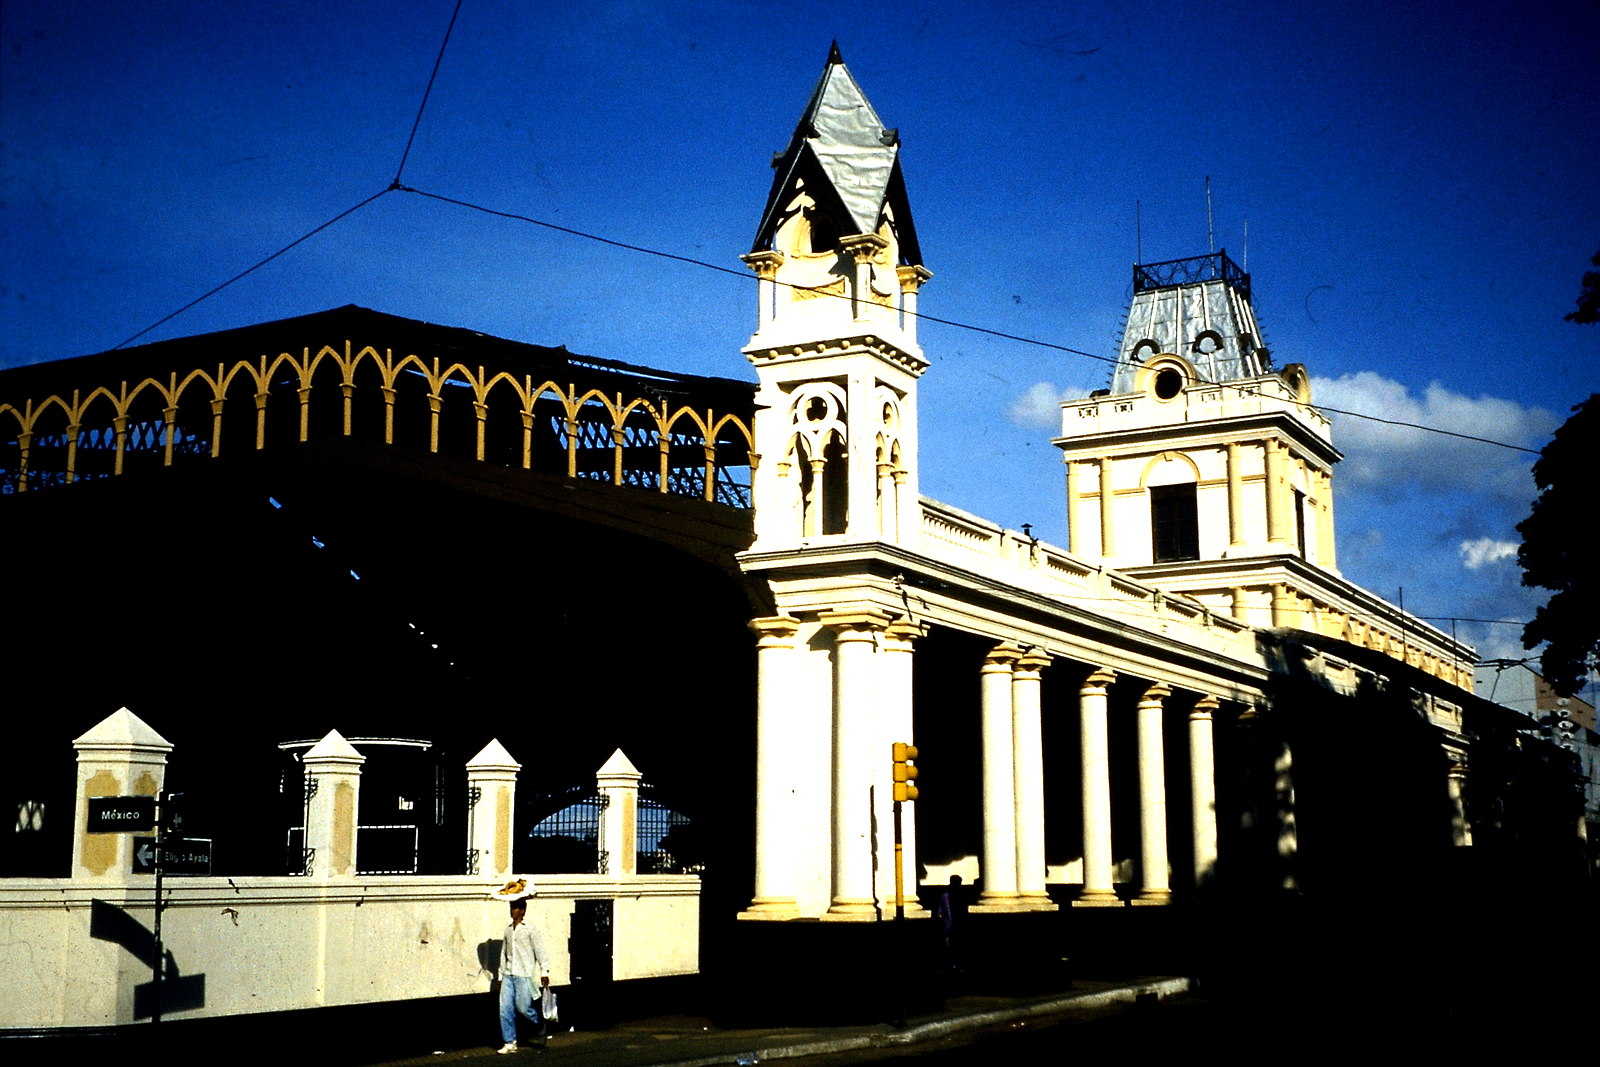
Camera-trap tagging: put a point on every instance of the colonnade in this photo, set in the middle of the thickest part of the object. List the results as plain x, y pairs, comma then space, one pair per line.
835, 691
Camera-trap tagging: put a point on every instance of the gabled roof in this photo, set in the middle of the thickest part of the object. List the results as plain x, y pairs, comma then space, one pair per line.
842, 146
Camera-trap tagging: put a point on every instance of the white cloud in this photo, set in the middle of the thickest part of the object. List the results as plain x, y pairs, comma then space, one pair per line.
1401, 459
1482, 551
1039, 407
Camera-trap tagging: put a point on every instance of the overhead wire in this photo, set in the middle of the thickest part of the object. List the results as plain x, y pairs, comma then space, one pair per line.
396, 186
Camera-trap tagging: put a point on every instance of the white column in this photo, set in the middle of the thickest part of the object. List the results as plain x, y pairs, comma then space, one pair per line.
775, 682
1108, 529
1236, 530
1077, 537
1288, 840
618, 784
1455, 784
333, 778
896, 724
1027, 740
766, 265
911, 280
1094, 745
492, 798
120, 756
854, 700
1155, 884
1203, 789
999, 783
1278, 532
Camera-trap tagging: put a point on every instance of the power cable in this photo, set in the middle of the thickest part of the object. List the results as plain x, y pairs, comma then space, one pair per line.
425, 94
250, 270
923, 317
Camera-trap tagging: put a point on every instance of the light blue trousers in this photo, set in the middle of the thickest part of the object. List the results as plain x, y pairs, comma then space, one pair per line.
518, 994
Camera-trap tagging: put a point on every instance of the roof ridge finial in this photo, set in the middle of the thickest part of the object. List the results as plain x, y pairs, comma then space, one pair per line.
833, 54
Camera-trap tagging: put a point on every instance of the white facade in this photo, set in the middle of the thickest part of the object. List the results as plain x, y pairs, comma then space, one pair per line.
860, 569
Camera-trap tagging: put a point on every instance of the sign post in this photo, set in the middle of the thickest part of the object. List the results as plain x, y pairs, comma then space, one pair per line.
142, 814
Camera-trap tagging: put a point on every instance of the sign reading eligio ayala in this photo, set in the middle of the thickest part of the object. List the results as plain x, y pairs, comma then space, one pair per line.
121, 815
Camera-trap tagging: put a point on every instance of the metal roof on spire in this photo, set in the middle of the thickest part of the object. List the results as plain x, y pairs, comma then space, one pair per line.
841, 140
1197, 308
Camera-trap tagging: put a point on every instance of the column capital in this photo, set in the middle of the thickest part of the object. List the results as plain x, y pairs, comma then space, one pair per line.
1101, 679
1032, 661
765, 264
863, 246
913, 277
1001, 656
1158, 692
1204, 708
774, 629
904, 631
859, 621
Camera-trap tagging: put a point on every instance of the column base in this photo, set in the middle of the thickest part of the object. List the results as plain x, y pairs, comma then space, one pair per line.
771, 909
1038, 902
1000, 904
1152, 898
914, 910
1098, 898
851, 911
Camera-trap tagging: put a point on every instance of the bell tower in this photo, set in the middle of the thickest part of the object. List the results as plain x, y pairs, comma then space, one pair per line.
835, 347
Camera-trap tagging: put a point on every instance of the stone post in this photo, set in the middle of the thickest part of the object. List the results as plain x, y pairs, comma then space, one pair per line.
120, 756
1099, 890
333, 782
491, 804
618, 783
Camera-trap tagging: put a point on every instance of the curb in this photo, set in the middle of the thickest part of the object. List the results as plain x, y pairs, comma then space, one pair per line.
1159, 988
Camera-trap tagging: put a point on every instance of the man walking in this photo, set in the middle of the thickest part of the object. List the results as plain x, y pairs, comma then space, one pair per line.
522, 962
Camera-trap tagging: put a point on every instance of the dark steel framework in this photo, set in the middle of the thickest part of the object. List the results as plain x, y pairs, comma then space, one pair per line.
1215, 267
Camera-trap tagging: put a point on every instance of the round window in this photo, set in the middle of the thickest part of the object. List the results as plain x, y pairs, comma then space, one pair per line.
1168, 383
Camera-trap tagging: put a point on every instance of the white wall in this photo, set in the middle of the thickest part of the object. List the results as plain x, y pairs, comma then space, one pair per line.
277, 944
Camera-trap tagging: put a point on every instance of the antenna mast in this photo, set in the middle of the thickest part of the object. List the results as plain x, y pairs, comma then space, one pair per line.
1138, 234
1211, 240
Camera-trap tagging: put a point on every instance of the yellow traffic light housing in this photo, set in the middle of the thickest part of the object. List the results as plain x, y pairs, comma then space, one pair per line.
905, 772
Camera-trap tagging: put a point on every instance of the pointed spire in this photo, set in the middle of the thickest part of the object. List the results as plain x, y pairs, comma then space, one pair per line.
844, 157
122, 729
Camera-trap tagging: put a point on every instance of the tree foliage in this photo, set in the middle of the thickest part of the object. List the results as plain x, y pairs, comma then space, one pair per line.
1588, 309
1559, 550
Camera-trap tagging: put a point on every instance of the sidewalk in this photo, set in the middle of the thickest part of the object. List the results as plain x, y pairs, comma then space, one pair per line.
688, 1041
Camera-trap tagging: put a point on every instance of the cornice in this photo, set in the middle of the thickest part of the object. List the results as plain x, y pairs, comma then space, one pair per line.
869, 343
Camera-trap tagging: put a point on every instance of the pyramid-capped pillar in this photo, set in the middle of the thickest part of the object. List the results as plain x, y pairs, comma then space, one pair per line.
836, 249
491, 807
121, 755
835, 346
618, 783
333, 802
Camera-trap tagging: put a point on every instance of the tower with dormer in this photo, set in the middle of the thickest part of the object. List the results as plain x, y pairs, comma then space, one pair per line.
1204, 469
835, 346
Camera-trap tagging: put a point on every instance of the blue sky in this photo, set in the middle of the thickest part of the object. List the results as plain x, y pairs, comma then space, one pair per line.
1418, 179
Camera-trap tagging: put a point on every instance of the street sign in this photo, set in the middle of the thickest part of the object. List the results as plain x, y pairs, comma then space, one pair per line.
179, 855
121, 815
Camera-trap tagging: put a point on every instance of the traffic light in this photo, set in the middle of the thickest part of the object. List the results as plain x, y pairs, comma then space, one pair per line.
905, 772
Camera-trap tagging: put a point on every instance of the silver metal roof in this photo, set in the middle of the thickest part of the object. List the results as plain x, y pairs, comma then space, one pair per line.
1197, 308
843, 148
